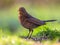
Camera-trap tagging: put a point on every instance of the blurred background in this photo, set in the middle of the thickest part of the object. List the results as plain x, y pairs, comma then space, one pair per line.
41, 9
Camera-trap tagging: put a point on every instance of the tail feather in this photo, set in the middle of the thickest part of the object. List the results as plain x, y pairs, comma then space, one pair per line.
49, 20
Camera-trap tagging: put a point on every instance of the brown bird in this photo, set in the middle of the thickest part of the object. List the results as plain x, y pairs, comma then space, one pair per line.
30, 22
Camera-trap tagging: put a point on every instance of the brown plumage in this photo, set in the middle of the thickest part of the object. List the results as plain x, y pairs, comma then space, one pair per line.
30, 22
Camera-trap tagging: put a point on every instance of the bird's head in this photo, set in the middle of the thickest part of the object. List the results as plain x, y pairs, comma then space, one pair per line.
22, 10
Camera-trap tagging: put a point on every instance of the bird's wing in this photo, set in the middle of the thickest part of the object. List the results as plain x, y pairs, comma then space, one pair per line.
35, 21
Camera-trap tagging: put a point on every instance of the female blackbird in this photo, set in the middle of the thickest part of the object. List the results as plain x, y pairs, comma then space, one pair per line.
30, 22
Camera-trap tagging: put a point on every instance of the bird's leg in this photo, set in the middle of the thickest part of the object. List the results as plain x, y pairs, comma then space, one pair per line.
31, 33
28, 33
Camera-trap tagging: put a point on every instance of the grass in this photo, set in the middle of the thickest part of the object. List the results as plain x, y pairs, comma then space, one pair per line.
14, 40
48, 34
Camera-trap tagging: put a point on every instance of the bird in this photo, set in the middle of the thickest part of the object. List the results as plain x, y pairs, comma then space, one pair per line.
29, 22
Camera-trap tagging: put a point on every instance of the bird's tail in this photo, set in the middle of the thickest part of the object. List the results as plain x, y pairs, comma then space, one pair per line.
49, 20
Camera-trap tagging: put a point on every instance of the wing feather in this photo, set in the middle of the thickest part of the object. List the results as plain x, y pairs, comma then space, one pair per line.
35, 21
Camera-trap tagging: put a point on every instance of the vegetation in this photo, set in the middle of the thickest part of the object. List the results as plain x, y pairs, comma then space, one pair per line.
48, 34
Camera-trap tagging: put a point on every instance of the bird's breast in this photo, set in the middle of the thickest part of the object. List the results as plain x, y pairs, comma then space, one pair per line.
22, 18
23, 21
